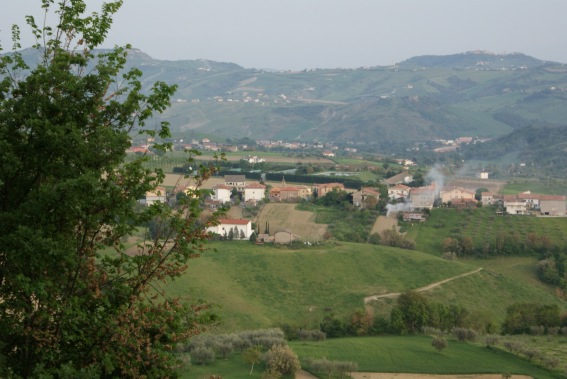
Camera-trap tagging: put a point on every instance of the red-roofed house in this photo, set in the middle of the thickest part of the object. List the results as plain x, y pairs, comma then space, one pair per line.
323, 189
448, 194
242, 229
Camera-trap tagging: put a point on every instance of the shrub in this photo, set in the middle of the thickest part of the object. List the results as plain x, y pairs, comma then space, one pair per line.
202, 355
281, 359
439, 343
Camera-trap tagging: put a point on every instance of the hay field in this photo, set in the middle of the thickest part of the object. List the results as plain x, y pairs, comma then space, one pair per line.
284, 216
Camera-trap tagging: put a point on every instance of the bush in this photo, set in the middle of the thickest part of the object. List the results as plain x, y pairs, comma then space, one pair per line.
439, 343
282, 360
202, 355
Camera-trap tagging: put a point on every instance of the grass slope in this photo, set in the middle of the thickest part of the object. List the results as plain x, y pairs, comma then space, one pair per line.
261, 286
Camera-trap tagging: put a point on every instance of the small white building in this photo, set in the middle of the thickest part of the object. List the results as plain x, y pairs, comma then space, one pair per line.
254, 191
241, 229
222, 193
399, 191
483, 175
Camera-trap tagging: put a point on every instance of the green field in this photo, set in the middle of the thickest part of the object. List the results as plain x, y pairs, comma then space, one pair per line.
262, 286
389, 354
416, 355
482, 225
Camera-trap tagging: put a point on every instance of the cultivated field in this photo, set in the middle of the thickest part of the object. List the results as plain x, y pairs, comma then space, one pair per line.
284, 216
385, 223
494, 186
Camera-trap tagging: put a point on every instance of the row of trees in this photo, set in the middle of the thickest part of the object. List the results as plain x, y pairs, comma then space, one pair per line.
410, 315
507, 244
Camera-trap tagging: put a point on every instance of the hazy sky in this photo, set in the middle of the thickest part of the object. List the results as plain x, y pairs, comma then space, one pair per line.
297, 34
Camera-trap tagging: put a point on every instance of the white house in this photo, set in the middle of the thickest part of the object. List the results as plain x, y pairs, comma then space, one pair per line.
235, 181
399, 191
222, 193
241, 229
254, 191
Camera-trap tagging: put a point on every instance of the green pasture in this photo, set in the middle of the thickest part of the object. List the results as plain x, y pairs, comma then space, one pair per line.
233, 367
416, 355
257, 286
413, 354
482, 225
549, 186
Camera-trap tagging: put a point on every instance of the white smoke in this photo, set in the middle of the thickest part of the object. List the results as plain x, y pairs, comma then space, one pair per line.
436, 178
398, 207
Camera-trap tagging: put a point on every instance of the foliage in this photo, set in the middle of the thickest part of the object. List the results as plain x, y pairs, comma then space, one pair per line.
413, 312
282, 360
439, 343
202, 355
521, 316
252, 356
331, 368
73, 301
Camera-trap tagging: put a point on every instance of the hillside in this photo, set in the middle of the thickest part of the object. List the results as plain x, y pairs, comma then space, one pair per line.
471, 94
262, 286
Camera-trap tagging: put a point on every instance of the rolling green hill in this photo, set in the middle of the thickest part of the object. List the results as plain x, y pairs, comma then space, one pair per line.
263, 286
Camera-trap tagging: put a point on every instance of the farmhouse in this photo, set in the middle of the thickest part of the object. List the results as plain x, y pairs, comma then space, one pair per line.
222, 193
359, 198
323, 189
290, 193
553, 205
241, 229
487, 198
423, 197
399, 191
254, 192
448, 194
403, 177
515, 206
235, 181
527, 203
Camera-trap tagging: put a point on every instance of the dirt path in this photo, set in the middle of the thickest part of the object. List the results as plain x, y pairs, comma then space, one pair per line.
427, 287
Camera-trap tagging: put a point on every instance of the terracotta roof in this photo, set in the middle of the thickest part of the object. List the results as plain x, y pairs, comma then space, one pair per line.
330, 185
255, 185
223, 186
234, 222
552, 198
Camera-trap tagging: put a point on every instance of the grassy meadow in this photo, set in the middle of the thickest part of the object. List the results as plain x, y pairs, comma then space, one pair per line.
257, 286
410, 354
415, 354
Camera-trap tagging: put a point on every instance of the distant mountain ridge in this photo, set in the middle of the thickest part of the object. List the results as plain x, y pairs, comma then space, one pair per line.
477, 94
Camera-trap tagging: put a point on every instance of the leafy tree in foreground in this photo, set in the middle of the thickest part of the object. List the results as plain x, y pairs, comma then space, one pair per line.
73, 302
